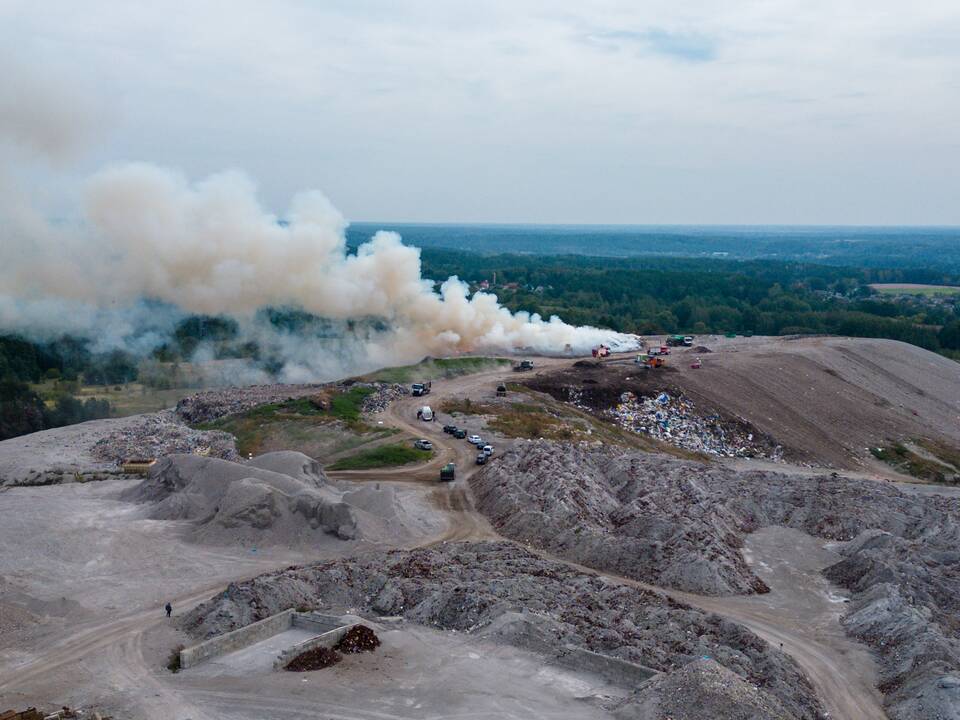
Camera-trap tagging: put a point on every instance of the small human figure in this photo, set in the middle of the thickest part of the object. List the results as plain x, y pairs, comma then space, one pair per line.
169, 608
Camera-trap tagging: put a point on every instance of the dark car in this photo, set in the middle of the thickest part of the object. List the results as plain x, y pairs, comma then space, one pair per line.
482, 459
449, 429
459, 434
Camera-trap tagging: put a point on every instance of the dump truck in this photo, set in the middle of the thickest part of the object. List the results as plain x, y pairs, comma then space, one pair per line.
675, 340
448, 473
601, 351
523, 365
420, 388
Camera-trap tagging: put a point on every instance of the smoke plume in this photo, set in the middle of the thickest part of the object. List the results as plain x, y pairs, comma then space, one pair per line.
145, 244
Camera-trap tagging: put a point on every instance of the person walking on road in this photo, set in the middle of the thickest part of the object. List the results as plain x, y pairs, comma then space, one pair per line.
169, 608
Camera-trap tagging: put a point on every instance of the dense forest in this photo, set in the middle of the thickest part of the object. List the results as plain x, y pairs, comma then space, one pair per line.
637, 295
667, 295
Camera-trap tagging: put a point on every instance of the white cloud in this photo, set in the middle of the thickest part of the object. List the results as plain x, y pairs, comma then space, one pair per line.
499, 111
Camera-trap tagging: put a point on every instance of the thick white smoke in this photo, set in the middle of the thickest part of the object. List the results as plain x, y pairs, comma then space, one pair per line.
142, 232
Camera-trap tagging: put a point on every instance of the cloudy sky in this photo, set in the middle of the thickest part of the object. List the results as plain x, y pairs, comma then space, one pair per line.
767, 111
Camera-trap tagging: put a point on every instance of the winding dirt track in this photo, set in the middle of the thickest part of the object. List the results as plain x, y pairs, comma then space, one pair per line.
120, 638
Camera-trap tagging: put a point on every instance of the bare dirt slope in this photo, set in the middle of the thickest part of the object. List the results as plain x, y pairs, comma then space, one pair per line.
825, 400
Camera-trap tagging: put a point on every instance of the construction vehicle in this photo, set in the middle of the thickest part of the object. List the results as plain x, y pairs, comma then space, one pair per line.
448, 472
601, 351
523, 365
501, 390
688, 340
420, 388
654, 362
664, 350
675, 340
696, 364
641, 359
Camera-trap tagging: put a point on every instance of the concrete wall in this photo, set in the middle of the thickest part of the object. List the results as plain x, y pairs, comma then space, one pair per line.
237, 639
316, 622
613, 670
327, 640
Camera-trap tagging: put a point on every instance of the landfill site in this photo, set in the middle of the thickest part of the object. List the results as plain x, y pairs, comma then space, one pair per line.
732, 528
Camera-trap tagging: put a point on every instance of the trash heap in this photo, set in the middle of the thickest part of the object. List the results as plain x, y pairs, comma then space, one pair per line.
212, 404
675, 420
383, 394
358, 639
159, 434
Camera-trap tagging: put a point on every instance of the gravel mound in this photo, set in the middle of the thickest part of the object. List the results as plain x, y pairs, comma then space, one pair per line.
701, 689
232, 502
907, 607
502, 592
681, 524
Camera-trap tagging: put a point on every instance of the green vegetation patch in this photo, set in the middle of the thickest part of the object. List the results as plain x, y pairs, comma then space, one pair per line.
308, 425
433, 368
383, 456
915, 289
905, 460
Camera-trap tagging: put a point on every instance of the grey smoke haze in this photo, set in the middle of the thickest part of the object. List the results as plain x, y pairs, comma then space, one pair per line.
145, 245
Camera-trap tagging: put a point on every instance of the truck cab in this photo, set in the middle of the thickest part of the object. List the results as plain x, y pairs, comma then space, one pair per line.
420, 388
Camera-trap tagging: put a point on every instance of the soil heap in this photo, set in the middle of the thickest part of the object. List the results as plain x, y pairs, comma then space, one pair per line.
502, 592
681, 524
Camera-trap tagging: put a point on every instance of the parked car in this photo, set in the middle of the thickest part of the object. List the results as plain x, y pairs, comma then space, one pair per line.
481, 459
488, 450
459, 434
450, 429
423, 444
473, 439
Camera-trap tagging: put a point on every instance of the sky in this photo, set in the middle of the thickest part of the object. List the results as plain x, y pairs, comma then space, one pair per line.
648, 112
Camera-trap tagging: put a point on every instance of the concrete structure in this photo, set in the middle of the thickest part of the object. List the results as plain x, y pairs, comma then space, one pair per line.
255, 632
613, 670
326, 640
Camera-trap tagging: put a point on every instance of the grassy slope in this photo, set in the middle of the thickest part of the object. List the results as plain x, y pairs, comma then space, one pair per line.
296, 424
909, 462
434, 368
383, 456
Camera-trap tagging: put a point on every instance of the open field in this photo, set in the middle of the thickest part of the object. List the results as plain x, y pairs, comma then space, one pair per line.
382, 456
434, 368
318, 430
915, 289
126, 399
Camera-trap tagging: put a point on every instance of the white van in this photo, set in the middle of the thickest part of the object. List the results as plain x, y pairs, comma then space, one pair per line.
425, 413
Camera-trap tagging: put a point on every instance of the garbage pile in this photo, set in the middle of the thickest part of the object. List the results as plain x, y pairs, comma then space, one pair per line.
383, 395
315, 659
675, 420
159, 434
358, 639
212, 404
